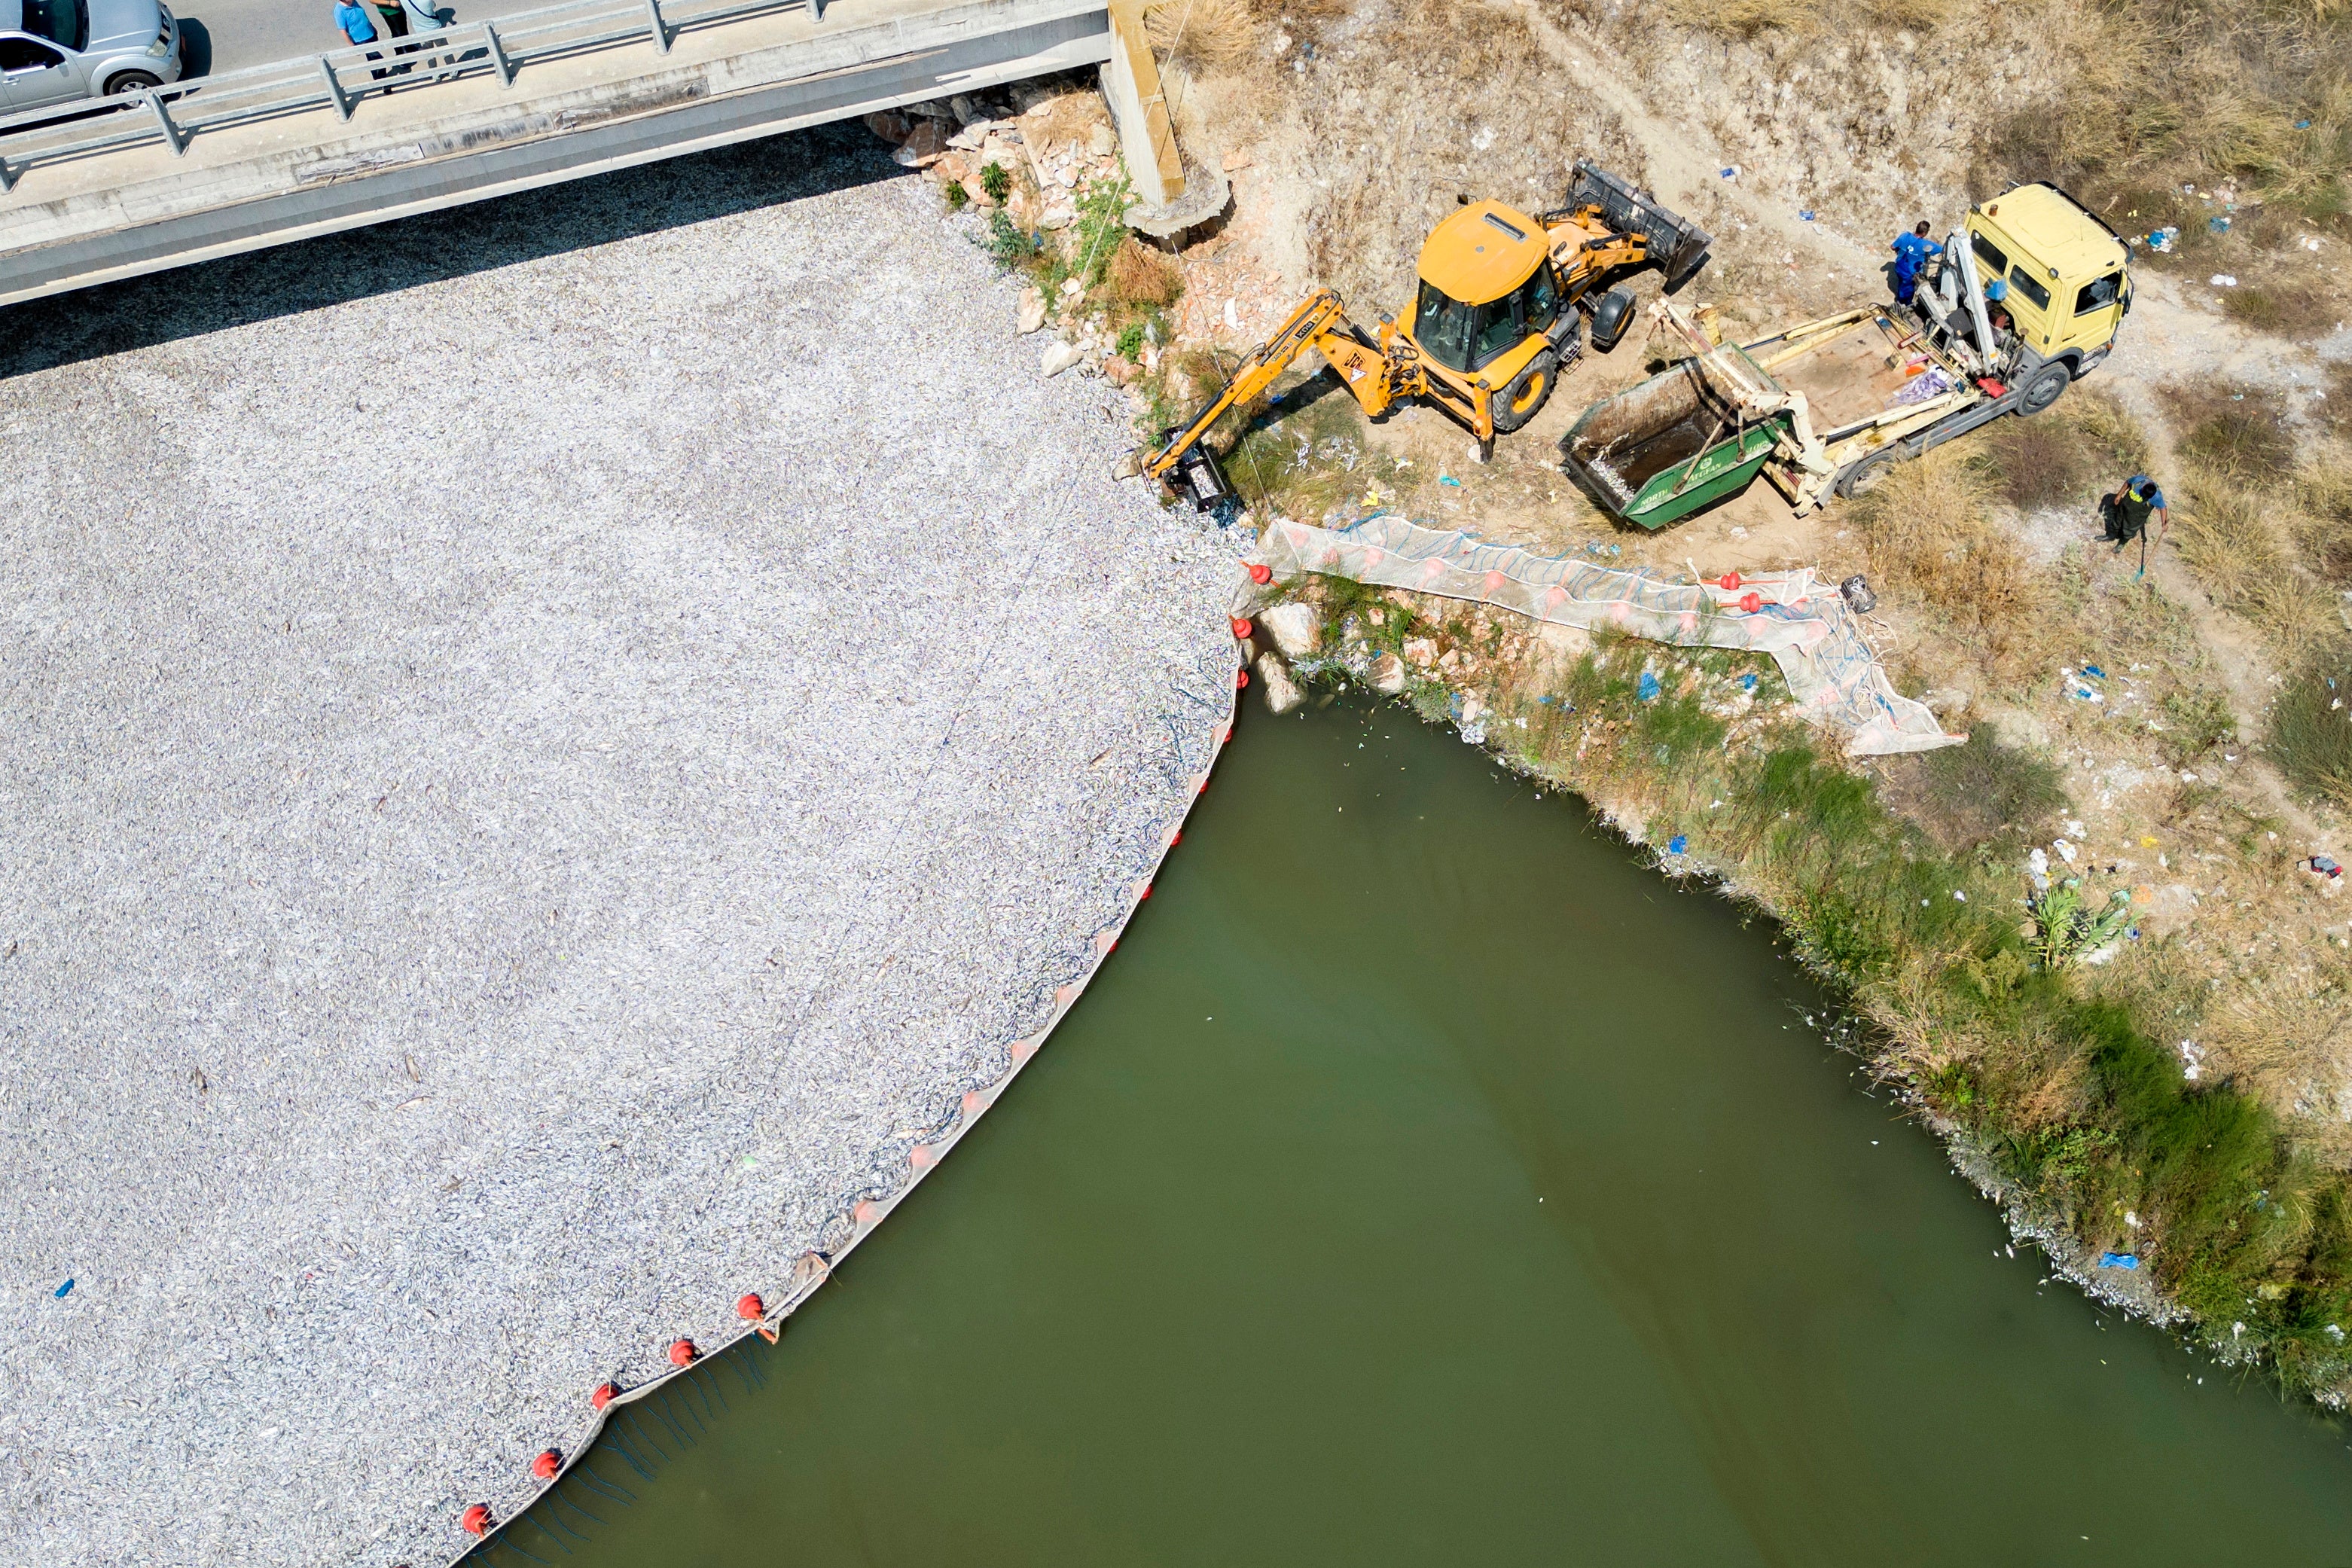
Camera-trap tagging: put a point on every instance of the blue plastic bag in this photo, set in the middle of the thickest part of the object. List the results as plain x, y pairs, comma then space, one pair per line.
1678, 844
1649, 687
2118, 1260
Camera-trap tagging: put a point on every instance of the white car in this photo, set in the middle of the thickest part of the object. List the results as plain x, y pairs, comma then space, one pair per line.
62, 51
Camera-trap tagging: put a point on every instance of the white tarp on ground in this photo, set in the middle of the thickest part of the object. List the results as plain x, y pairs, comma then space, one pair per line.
1804, 623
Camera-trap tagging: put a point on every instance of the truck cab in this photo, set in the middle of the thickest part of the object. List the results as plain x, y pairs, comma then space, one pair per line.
2065, 288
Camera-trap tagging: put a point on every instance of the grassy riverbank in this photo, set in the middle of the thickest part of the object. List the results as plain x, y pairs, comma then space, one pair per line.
2059, 1073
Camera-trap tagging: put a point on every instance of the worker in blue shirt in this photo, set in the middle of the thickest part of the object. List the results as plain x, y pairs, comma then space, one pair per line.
1912, 252
353, 19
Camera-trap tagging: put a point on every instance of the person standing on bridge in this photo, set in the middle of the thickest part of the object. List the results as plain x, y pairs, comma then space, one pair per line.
422, 17
353, 19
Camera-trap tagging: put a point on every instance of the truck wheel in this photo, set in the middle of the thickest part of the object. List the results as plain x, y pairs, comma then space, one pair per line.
1528, 393
1863, 477
130, 81
2044, 389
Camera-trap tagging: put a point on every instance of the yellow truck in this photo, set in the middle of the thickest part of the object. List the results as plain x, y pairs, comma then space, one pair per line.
2027, 297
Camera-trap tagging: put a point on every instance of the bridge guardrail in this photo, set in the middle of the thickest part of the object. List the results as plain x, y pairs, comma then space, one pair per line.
342, 78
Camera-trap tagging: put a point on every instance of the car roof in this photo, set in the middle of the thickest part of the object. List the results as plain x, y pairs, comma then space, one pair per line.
1479, 252
2048, 224
12, 16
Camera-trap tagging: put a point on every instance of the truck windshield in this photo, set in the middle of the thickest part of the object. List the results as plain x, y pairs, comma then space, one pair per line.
1444, 327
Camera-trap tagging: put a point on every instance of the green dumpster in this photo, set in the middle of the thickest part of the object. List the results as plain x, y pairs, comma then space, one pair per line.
1660, 451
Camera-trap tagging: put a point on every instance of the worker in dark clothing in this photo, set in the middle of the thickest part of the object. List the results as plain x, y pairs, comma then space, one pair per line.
1913, 251
2123, 516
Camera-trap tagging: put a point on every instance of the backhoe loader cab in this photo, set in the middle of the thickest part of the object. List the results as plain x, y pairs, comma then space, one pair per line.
1499, 314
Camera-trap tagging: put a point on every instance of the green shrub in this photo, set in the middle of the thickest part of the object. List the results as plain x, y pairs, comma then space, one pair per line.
1007, 242
995, 182
956, 194
1130, 341
2310, 734
2196, 720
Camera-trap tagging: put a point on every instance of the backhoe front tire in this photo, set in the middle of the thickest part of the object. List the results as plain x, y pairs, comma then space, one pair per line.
2044, 389
1612, 314
1529, 390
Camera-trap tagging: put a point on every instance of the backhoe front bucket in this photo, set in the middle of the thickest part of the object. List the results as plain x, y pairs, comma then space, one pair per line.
1677, 245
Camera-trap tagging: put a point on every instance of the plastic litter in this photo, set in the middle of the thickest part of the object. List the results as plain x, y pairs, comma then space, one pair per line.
63, 1289
1678, 844
1747, 681
2305, 125
1806, 215
2219, 224
1649, 686
2118, 1260
2094, 672
1449, 479
1857, 595
2163, 239
2225, 280
1732, 171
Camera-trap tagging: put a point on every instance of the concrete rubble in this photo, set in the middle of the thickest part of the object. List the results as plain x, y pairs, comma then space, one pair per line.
547, 747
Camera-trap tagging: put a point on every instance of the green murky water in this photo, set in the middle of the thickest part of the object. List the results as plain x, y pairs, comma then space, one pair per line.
1425, 1182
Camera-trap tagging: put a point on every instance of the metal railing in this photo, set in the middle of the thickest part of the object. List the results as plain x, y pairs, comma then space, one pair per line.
341, 79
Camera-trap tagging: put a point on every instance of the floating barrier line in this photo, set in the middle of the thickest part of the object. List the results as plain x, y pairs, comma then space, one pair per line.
867, 1211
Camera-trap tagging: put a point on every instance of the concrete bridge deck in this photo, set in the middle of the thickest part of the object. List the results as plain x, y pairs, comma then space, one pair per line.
71, 220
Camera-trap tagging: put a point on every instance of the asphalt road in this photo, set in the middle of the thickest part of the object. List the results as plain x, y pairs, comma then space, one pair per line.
221, 35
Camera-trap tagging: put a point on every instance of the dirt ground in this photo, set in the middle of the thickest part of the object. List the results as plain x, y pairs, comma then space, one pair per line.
1348, 129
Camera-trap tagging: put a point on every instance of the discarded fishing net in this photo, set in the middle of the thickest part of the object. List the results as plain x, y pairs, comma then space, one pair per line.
1800, 621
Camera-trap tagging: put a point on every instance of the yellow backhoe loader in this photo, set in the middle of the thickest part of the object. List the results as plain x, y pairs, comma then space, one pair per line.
1501, 313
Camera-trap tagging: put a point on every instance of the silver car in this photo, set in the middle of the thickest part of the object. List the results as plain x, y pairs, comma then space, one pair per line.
59, 51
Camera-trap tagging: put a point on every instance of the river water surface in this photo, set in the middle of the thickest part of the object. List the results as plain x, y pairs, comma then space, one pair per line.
1426, 1181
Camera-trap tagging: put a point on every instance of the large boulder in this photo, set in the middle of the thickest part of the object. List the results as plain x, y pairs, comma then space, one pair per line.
1030, 314
1281, 694
1059, 357
1296, 629
1388, 674
926, 144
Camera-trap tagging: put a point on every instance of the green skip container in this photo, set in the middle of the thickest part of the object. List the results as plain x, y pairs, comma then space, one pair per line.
1659, 452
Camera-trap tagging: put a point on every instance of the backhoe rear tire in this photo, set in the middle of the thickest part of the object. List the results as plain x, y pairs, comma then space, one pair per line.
1529, 390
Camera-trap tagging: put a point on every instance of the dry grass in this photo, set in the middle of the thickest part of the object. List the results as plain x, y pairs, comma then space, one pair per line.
2231, 429
2227, 536
1752, 18
2325, 530
2068, 455
2251, 94
2297, 310
1928, 531
1203, 32
1141, 277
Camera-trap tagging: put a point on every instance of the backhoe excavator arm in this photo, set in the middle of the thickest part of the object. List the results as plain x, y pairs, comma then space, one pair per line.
1319, 324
